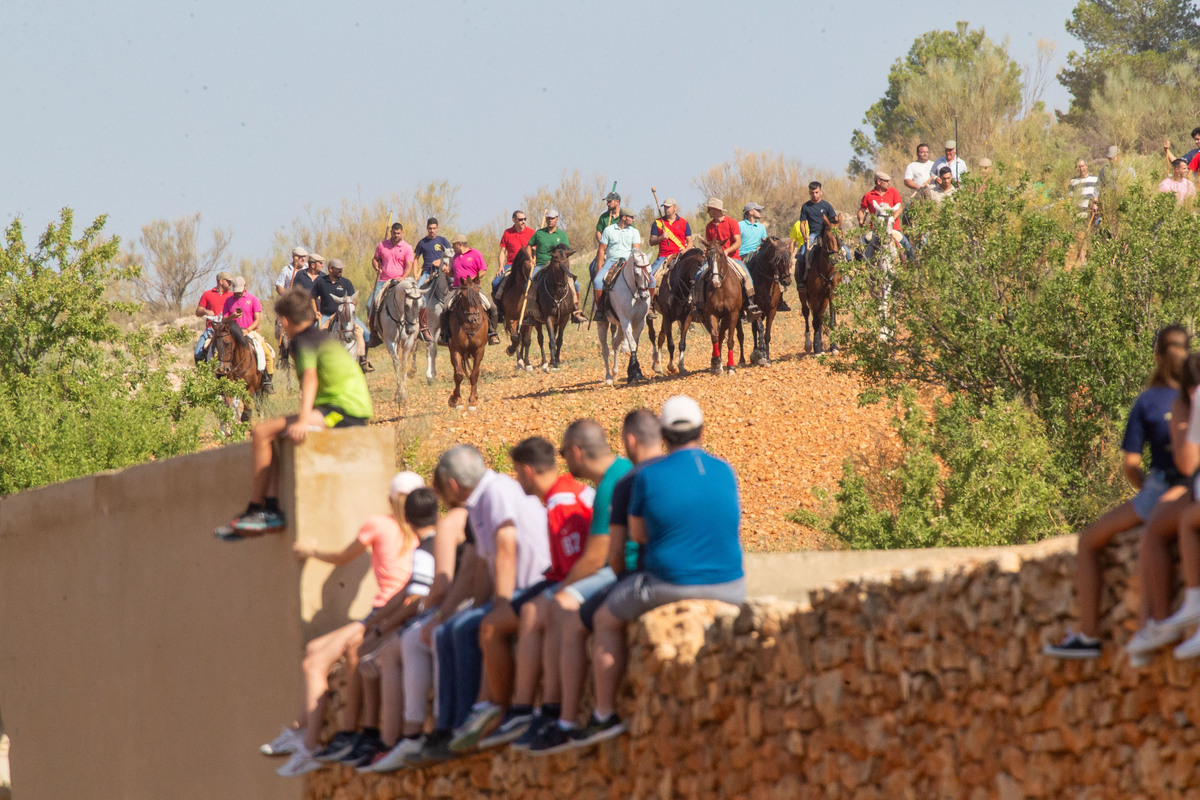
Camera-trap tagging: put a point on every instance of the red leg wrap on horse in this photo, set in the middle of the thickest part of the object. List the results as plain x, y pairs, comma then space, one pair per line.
716, 349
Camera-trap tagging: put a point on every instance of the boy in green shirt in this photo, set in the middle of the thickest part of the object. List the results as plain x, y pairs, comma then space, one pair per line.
333, 394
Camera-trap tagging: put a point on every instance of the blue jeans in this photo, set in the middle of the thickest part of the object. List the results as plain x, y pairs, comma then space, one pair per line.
500, 276
459, 666
204, 339
600, 273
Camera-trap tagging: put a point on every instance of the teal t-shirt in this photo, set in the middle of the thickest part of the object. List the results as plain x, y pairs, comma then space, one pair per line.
753, 234
602, 505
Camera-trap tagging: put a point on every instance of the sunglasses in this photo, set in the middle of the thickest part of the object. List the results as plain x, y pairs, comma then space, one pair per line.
519, 219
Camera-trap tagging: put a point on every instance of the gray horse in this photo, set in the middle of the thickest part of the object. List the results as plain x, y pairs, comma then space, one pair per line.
399, 324
628, 302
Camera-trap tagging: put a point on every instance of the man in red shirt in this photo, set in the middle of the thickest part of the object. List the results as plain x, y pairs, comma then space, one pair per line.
512, 241
883, 202
672, 235
568, 515
212, 302
724, 229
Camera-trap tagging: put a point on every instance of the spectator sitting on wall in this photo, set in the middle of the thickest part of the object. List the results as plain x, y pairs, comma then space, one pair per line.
686, 513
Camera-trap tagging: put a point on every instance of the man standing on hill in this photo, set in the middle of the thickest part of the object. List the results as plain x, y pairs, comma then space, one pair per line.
1180, 183
723, 230
958, 167
1114, 174
542, 243
919, 173
941, 188
212, 303
1084, 188
512, 241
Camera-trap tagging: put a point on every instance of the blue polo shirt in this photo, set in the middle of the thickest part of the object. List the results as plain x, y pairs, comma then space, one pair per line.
689, 501
430, 250
753, 234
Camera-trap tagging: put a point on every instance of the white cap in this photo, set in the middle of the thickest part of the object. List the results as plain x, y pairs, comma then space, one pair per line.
681, 413
405, 483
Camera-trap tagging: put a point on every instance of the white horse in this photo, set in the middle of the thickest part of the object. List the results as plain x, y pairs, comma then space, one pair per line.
399, 322
628, 303
884, 245
342, 323
435, 295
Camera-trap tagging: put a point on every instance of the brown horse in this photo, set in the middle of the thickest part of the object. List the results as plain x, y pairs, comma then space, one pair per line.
553, 306
674, 303
515, 294
468, 339
817, 294
771, 271
236, 362
722, 306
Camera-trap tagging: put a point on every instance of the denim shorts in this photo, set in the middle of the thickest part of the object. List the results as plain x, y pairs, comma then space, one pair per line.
1153, 488
585, 589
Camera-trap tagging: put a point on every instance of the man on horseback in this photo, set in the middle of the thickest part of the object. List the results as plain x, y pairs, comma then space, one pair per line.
883, 202
246, 310
512, 241
807, 230
327, 289
393, 260
434, 251
723, 230
618, 242
671, 234
542, 243
298, 263
467, 264
212, 302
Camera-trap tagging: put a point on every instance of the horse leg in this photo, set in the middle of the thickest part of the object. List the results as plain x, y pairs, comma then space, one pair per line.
729, 326
476, 363
817, 314
808, 343
558, 343
714, 333
684, 326
602, 332
741, 338
833, 347
542, 350
550, 335
456, 363
393, 348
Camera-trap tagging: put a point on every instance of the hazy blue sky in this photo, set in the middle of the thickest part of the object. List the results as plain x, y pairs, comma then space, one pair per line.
246, 111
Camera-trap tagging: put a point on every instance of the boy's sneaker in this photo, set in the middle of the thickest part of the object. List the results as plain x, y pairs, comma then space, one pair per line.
531, 734
364, 751
1185, 616
511, 727
398, 757
552, 739
596, 731
284, 744
1074, 646
1190, 648
300, 763
259, 521
226, 533
1152, 636
477, 724
435, 749
340, 746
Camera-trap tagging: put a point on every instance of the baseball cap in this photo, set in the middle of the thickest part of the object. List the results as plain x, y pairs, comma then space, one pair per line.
670, 201
336, 263
880, 175
1113, 151
612, 196
715, 202
681, 413
405, 483
752, 207
299, 251
551, 214
951, 144
239, 284
224, 276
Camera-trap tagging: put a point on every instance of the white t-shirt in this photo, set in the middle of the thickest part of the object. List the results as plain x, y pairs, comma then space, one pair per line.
918, 172
619, 242
499, 499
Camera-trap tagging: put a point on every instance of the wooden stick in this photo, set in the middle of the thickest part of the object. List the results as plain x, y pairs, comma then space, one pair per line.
528, 283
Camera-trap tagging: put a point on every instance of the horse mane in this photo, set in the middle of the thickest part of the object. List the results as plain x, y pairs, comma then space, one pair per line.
522, 262
239, 336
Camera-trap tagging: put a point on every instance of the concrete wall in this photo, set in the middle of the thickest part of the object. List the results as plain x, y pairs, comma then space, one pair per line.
141, 657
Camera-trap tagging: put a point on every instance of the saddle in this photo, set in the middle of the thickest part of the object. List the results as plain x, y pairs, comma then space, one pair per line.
610, 280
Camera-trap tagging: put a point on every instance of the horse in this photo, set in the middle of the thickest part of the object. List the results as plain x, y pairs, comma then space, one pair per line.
342, 323
468, 339
237, 362
722, 305
552, 292
627, 304
819, 285
770, 269
399, 323
675, 304
515, 294
435, 295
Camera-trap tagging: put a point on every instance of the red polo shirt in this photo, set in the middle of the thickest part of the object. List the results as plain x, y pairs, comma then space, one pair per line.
874, 197
512, 242
723, 232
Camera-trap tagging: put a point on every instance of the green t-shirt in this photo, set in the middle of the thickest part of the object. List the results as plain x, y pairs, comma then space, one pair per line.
544, 241
605, 220
340, 382
602, 503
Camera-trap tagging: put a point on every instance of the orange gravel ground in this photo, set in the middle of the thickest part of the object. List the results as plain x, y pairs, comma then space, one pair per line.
785, 428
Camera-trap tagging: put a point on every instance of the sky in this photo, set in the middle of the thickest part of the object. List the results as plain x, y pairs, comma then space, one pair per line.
249, 111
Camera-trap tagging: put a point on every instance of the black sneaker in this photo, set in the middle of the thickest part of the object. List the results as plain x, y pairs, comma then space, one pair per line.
340, 746
364, 751
534, 730
596, 731
259, 521
511, 727
1073, 647
437, 748
552, 739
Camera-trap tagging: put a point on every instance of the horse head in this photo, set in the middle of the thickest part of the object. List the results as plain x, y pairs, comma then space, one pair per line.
522, 264
641, 273
714, 254
345, 313
227, 338
829, 235
777, 260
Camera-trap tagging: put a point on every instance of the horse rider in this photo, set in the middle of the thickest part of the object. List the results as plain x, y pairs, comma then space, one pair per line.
807, 230
466, 264
618, 241
723, 230
283, 282
212, 302
957, 166
326, 290
246, 310
883, 202
609, 217
542, 245
512, 241
752, 231
433, 251
671, 234
393, 260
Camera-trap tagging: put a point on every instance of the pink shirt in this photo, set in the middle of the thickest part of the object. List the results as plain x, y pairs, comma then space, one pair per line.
469, 265
242, 309
390, 559
1183, 189
393, 259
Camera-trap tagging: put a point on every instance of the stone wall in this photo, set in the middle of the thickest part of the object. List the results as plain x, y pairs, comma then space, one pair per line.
918, 684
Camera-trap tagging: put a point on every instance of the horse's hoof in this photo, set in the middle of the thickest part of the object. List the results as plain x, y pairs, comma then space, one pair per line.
529, 367
672, 369
429, 379
658, 370
730, 371
608, 381
511, 349
472, 408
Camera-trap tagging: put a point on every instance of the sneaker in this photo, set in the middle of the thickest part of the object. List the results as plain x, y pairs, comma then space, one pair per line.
259, 521
553, 739
1153, 636
340, 746
226, 533
301, 763
1074, 647
471, 731
436, 748
531, 734
1182, 618
398, 757
511, 727
596, 731
364, 751
1190, 648
284, 744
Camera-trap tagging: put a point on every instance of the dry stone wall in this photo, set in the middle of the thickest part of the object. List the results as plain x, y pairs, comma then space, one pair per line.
917, 685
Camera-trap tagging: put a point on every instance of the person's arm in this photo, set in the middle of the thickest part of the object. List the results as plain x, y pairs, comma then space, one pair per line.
410, 265
734, 246
506, 562
377, 260
656, 238
595, 552
257, 319
1132, 467
910, 182
637, 239
637, 529
336, 557
617, 537
687, 235
450, 532
1187, 454
201, 311
1167, 150
600, 255
298, 430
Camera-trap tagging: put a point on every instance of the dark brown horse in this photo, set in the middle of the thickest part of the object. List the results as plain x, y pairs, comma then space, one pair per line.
817, 292
468, 339
722, 305
515, 292
553, 307
236, 362
771, 271
675, 305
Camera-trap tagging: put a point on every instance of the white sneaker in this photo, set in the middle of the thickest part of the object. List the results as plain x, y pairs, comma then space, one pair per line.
398, 756
300, 763
1182, 618
283, 744
1190, 648
1152, 636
